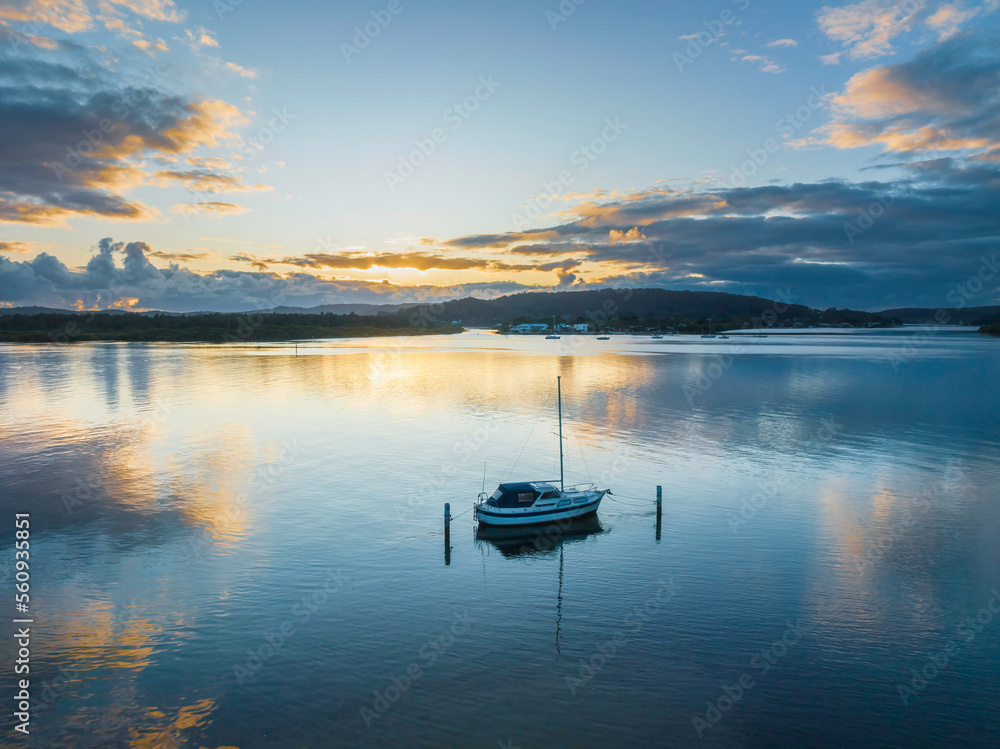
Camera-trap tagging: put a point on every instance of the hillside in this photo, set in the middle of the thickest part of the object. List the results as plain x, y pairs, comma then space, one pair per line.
339, 309
640, 306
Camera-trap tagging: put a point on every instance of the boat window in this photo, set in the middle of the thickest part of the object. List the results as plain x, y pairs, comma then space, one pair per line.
497, 494
580, 500
549, 495
563, 503
526, 497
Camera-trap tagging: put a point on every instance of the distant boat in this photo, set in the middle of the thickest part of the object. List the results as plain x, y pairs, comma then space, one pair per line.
723, 336
604, 338
552, 336
656, 335
529, 502
711, 330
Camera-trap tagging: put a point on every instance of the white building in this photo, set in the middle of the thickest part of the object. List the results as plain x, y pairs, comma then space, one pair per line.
529, 327
582, 327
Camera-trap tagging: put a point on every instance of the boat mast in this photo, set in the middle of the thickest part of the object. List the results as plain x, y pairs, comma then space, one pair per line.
559, 386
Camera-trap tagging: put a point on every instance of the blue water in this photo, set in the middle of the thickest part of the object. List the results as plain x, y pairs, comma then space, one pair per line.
234, 546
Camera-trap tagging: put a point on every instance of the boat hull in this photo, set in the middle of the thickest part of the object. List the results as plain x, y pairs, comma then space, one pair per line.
530, 516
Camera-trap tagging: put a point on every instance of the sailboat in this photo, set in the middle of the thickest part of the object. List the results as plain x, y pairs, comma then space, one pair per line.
529, 502
711, 330
553, 336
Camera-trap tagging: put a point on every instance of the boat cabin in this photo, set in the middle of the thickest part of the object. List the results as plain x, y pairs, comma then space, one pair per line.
523, 494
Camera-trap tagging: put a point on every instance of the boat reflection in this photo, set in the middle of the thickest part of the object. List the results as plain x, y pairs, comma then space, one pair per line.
539, 540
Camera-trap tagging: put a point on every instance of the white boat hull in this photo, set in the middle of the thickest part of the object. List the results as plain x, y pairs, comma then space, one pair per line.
498, 516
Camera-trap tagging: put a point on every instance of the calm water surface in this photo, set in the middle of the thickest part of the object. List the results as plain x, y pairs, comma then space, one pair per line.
240, 547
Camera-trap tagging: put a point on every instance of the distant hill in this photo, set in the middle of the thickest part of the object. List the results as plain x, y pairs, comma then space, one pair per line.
340, 309
968, 315
35, 311
111, 311
641, 304
628, 308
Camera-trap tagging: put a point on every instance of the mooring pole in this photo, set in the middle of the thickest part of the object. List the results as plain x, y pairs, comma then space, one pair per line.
659, 510
447, 533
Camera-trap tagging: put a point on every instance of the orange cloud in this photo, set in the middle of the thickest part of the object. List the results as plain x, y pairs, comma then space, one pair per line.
70, 16
220, 209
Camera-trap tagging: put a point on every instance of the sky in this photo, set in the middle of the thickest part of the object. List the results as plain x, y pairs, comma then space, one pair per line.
235, 155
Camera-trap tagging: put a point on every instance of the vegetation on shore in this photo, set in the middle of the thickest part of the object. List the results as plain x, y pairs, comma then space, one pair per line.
628, 309
210, 328
993, 329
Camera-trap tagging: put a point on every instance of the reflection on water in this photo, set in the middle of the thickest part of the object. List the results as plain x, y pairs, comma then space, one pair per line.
188, 502
539, 540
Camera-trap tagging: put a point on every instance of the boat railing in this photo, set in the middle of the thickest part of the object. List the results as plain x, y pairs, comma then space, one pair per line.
585, 487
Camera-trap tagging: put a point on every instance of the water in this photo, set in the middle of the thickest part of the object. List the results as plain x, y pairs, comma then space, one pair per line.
237, 546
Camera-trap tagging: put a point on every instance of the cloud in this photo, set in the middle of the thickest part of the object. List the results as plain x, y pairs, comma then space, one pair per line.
422, 261
232, 67
198, 37
69, 16
135, 282
948, 19
147, 46
921, 235
619, 237
17, 247
177, 256
945, 99
764, 64
866, 29
73, 135
154, 10
783, 43
209, 207
207, 181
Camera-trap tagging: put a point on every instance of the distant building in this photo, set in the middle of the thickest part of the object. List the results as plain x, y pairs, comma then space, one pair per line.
529, 327
582, 327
